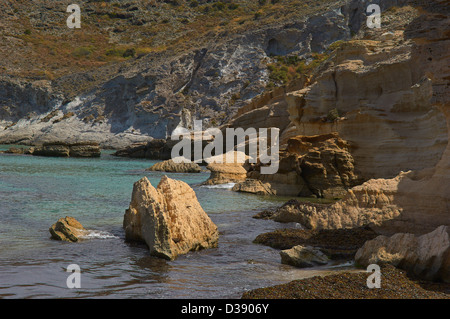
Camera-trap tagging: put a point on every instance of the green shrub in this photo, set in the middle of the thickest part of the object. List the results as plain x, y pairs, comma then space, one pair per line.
82, 52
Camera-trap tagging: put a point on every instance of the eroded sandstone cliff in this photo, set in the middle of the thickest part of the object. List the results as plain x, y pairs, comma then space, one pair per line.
386, 93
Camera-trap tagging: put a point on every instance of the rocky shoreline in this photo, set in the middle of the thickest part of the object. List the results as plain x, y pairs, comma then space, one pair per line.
368, 130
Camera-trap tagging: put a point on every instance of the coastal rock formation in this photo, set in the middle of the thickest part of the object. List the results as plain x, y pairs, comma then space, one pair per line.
310, 165
62, 149
303, 256
223, 173
169, 219
325, 164
67, 229
389, 97
172, 167
157, 149
426, 256
385, 122
290, 211
19, 150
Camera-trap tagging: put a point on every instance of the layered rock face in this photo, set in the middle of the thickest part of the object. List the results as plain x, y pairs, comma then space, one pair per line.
426, 256
393, 104
384, 107
169, 219
226, 168
62, 149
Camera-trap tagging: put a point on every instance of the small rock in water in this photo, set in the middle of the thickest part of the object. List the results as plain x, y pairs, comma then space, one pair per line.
67, 229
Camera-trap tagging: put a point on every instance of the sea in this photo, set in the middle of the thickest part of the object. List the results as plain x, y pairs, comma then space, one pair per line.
36, 191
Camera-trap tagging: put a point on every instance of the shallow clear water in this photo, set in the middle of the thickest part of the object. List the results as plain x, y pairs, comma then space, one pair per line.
36, 191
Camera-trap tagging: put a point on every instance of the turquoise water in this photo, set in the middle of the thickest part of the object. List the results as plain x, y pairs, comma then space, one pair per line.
36, 191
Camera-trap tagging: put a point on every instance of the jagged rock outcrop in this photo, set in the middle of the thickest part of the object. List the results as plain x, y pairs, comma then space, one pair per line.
254, 186
171, 167
310, 165
67, 229
426, 256
169, 219
157, 149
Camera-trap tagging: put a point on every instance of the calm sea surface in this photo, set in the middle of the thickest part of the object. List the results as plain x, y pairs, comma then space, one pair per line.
36, 191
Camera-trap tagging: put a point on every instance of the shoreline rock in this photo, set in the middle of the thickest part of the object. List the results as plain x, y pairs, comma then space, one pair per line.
310, 166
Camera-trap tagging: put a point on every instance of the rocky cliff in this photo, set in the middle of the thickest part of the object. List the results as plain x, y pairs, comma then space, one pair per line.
116, 100
386, 94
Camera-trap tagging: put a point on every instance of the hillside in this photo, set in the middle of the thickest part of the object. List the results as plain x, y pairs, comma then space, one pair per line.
139, 69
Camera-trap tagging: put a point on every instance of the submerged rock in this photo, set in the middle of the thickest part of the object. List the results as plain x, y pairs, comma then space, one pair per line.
169, 219
67, 229
303, 256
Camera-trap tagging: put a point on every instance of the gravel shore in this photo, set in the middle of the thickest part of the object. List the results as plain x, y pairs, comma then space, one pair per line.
395, 284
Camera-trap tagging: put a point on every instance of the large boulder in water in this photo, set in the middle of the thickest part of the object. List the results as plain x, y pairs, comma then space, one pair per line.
169, 219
